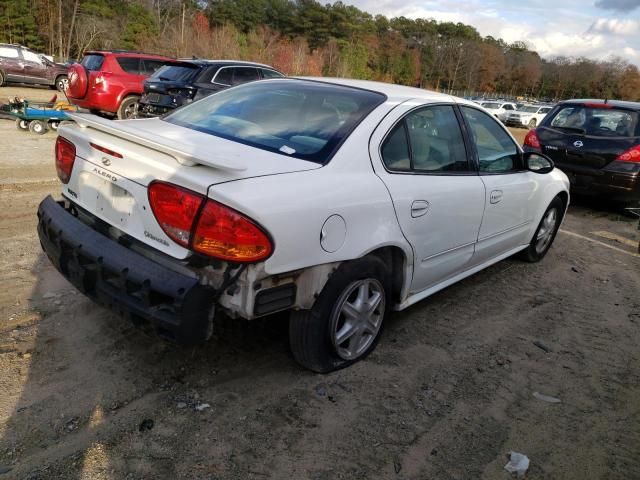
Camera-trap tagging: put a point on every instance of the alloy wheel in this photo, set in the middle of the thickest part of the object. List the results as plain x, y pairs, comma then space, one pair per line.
546, 231
357, 318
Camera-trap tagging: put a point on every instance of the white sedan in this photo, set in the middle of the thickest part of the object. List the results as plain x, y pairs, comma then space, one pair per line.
339, 200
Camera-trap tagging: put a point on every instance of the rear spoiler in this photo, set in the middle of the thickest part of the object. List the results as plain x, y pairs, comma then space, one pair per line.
198, 155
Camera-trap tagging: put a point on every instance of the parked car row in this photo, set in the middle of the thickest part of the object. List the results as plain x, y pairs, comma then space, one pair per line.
126, 84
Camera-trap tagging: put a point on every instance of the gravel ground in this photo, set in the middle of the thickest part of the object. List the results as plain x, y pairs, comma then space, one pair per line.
447, 394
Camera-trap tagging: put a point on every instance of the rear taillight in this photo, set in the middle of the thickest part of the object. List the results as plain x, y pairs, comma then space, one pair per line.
226, 234
65, 156
219, 231
531, 140
175, 210
632, 155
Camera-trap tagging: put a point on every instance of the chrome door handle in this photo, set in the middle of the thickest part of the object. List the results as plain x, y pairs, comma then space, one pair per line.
419, 208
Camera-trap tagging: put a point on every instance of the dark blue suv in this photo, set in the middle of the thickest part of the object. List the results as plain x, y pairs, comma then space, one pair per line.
184, 81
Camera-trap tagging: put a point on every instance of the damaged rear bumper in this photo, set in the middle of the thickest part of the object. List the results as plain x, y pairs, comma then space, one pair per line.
173, 302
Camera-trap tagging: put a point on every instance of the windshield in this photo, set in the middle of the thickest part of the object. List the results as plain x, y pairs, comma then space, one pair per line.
491, 105
176, 72
302, 119
599, 122
529, 109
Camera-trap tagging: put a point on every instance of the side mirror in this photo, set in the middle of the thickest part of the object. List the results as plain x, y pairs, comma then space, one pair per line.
537, 162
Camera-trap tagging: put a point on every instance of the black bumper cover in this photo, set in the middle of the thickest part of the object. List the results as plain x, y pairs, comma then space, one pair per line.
177, 306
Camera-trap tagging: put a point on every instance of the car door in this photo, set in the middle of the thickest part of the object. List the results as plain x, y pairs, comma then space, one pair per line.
35, 70
420, 154
509, 203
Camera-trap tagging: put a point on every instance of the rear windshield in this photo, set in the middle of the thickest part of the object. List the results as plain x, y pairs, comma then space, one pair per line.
179, 73
92, 62
302, 119
494, 106
597, 122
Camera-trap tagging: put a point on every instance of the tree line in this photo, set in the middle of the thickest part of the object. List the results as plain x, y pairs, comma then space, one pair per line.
305, 37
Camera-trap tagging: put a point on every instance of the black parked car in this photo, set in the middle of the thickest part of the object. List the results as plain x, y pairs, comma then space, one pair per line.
597, 144
185, 81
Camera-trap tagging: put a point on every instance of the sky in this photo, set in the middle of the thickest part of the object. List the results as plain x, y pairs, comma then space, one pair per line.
595, 29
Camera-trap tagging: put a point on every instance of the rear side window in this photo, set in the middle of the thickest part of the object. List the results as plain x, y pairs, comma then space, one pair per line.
435, 142
270, 73
8, 52
597, 122
93, 63
224, 76
305, 120
244, 75
129, 64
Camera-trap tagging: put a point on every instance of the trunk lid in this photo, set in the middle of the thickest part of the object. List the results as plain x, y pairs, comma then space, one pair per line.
117, 160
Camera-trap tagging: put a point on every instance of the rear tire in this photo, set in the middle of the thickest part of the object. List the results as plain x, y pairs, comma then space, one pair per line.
54, 125
532, 123
1, 79
128, 108
22, 124
62, 83
345, 323
38, 127
545, 233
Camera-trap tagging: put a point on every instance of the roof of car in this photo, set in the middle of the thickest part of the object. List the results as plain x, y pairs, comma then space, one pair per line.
613, 103
126, 53
391, 90
205, 61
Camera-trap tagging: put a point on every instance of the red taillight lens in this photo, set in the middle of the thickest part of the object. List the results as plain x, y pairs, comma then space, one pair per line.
175, 210
65, 156
632, 155
221, 232
531, 140
226, 234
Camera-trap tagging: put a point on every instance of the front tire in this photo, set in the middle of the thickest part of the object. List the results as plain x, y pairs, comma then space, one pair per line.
545, 233
128, 108
22, 124
1, 79
345, 322
532, 123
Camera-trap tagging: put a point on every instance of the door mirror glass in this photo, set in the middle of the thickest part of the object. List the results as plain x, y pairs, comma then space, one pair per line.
537, 162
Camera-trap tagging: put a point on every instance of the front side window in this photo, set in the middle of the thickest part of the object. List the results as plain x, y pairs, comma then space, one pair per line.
30, 56
432, 142
497, 152
302, 119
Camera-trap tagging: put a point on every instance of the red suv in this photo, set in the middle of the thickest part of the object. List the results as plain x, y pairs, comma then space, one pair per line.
111, 82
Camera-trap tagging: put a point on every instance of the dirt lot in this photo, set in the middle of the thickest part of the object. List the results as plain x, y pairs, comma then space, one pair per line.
446, 395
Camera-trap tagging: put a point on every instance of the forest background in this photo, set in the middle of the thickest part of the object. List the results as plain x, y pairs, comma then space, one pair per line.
305, 37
